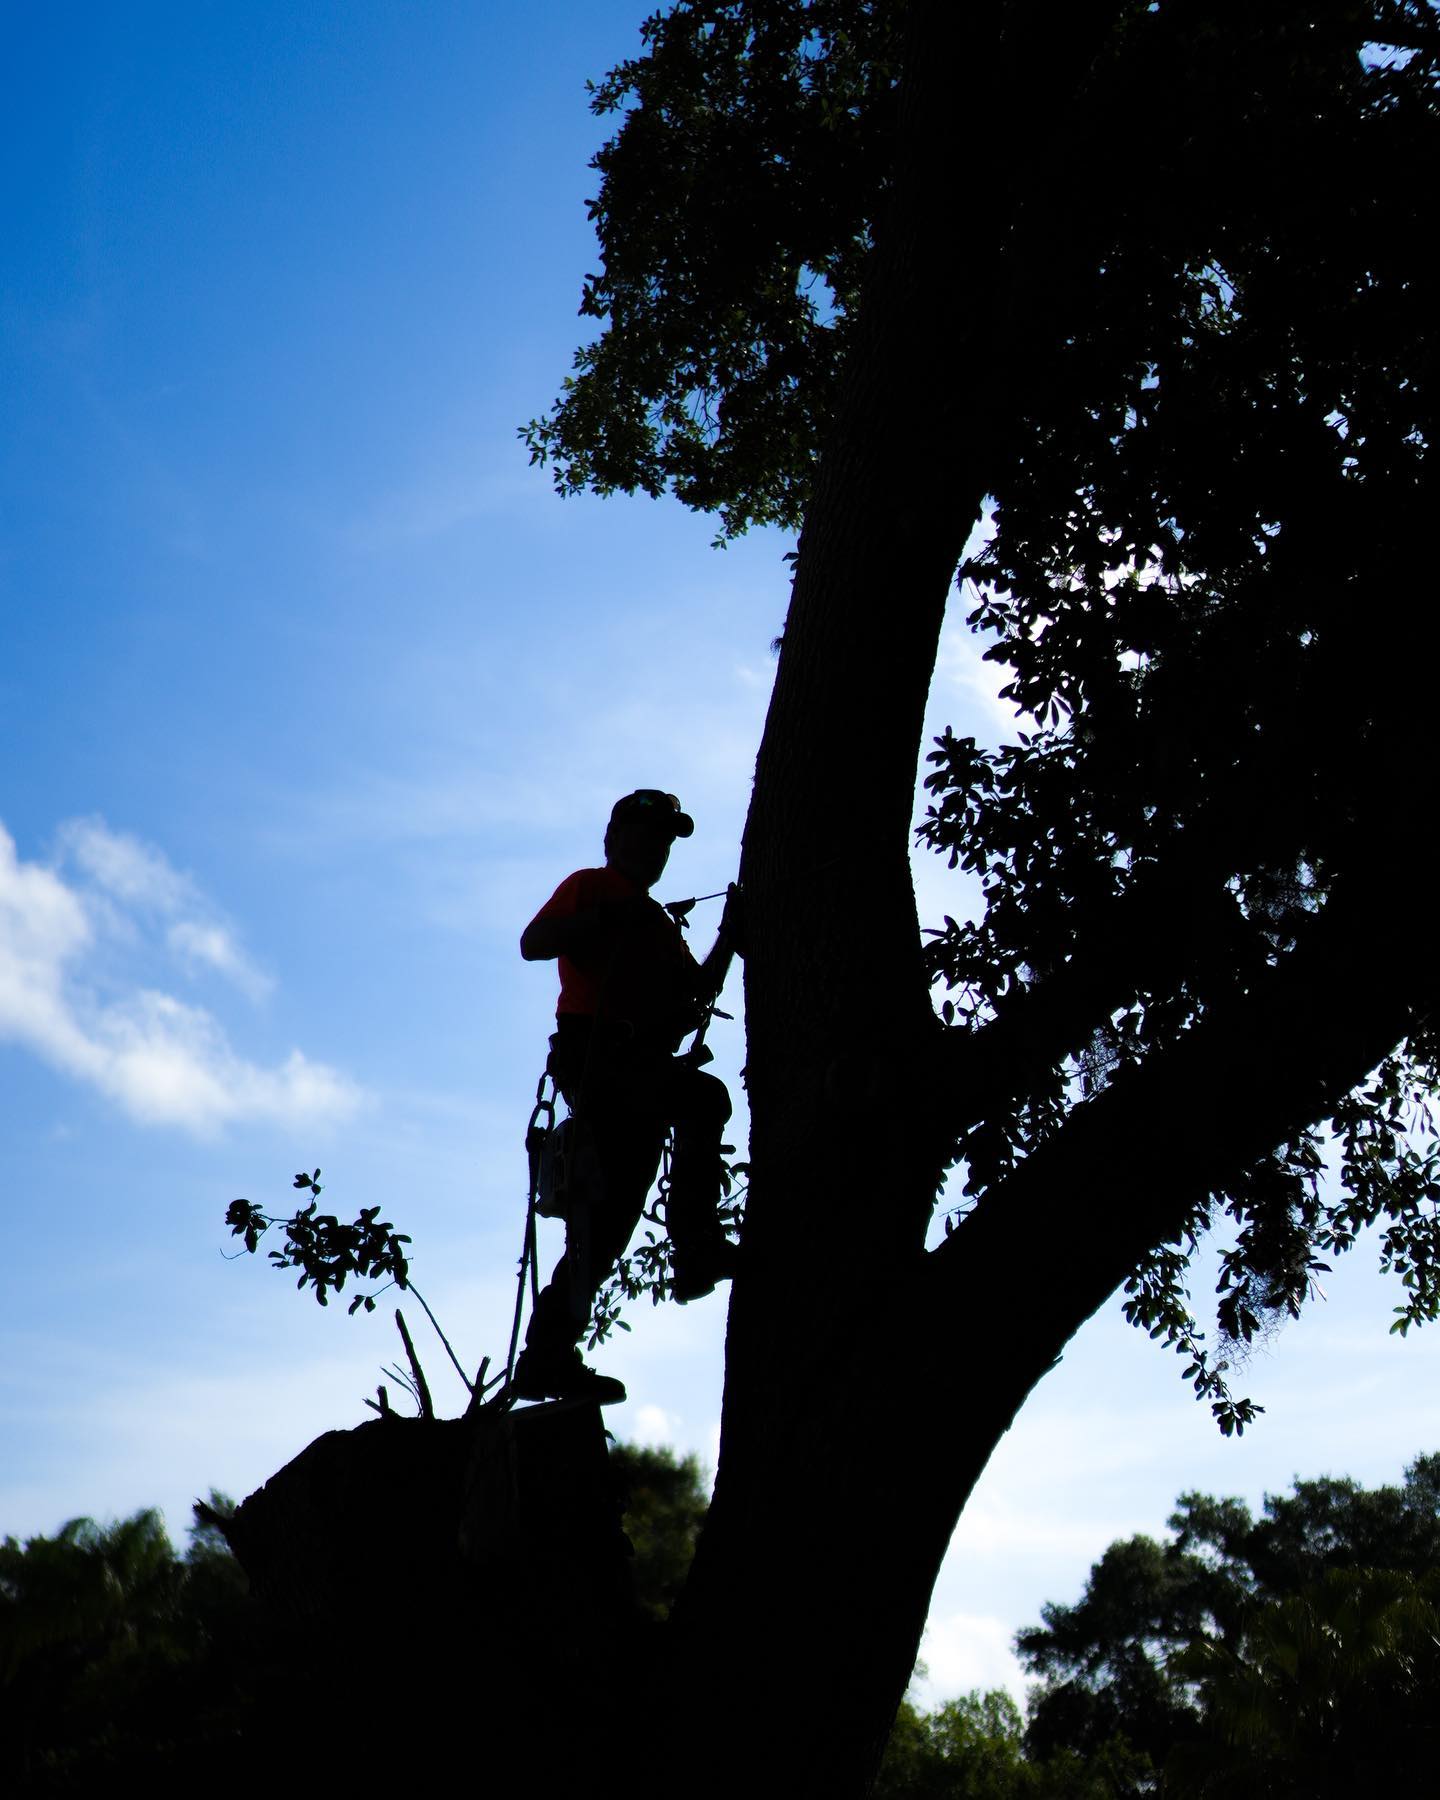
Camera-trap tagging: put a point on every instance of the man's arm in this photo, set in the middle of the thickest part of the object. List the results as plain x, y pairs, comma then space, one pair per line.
579, 935
726, 947
544, 939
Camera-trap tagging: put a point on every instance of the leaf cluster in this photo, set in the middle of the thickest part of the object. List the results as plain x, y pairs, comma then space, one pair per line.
1214, 482
1319, 1603
734, 215
325, 1251
649, 1267
1329, 1691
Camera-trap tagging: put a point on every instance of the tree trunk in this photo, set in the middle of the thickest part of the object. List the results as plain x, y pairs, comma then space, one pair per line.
840, 1481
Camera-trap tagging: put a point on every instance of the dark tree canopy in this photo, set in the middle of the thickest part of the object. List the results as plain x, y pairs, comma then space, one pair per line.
1204, 1651
1293, 1654
119, 1657
665, 1502
734, 214
1203, 285
973, 1748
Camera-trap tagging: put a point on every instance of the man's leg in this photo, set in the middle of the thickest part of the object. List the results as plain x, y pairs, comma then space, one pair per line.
620, 1139
698, 1105
624, 1152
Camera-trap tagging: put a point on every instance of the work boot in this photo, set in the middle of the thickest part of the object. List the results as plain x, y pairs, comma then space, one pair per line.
698, 1267
562, 1375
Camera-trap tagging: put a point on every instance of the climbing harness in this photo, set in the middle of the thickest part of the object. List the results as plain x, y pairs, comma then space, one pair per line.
565, 1178
548, 1145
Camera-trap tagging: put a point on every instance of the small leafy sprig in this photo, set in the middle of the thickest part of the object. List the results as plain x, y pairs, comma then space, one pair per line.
324, 1250
1159, 1303
649, 1268
327, 1252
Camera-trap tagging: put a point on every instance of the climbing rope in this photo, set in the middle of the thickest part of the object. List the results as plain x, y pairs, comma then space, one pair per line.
539, 1141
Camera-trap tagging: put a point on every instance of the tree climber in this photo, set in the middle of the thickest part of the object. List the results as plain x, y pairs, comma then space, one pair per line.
629, 992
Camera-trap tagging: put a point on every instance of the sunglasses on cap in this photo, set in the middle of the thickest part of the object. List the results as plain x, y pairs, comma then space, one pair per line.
652, 807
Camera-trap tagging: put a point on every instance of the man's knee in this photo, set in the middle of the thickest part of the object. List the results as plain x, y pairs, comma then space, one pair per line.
702, 1102
721, 1096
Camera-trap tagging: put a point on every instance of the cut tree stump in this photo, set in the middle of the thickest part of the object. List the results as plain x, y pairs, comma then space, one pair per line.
455, 1557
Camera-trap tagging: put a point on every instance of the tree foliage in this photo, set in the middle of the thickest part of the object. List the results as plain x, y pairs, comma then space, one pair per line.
1328, 1691
1216, 479
1293, 1654
324, 1250
735, 210
1204, 284
1284, 1654
118, 1655
973, 1748
665, 1505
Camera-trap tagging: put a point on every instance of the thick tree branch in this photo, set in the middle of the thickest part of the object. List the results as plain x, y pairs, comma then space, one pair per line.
1128, 1167
1143, 943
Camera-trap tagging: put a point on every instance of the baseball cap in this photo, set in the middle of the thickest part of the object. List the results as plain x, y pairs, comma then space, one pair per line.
652, 807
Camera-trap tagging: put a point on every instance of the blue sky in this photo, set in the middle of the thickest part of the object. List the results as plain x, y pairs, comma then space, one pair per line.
310, 693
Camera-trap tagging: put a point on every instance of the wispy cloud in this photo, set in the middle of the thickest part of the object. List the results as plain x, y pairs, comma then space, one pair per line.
440, 500
129, 871
160, 1059
963, 1651
210, 946
962, 674
138, 879
653, 1425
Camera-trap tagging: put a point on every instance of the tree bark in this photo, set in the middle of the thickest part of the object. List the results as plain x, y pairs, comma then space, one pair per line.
838, 1486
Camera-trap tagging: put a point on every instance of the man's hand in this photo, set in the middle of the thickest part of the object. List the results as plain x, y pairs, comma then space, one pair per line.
732, 922
727, 945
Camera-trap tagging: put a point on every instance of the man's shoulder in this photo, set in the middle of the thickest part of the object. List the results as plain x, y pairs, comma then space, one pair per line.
586, 887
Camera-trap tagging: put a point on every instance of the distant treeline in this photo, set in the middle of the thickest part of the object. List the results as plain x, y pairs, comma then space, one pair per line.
120, 1656
1297, 1654
1293, 1654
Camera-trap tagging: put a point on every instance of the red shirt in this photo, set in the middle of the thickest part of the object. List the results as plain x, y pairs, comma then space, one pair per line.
646, 974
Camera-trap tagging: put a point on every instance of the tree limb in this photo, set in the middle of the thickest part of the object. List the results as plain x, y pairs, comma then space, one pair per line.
422, 1390
1109, 1185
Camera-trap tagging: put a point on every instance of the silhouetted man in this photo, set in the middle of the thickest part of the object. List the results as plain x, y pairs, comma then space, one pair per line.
629, 992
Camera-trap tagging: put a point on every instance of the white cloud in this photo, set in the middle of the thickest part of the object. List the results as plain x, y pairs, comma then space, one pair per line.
1005, 1526
170, 1064
122, 867
162, 1061
962, 1651
127, 877
145, 1435
41, 921
653, 1425
213, 946
961, 673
